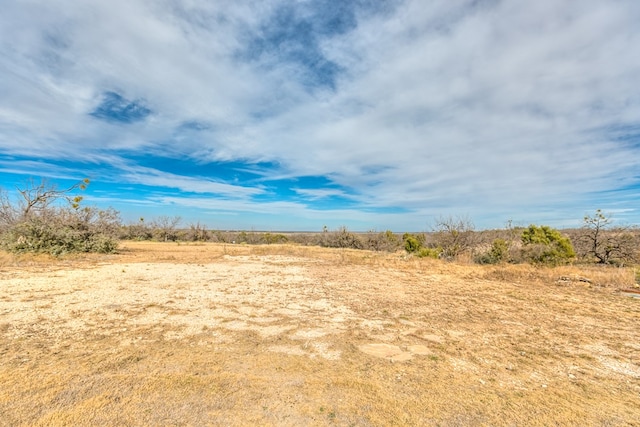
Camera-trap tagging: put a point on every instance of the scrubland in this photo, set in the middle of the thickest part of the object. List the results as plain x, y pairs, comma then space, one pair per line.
285, 335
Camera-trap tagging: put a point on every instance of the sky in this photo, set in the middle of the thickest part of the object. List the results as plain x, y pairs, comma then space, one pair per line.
298, 114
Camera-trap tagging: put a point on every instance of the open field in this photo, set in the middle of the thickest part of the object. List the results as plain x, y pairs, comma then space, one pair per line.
234, 335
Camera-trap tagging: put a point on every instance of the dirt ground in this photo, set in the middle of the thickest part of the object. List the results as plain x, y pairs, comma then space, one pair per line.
232, 335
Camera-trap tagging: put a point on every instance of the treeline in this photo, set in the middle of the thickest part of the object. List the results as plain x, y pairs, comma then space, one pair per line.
168, 229
598, 241
42, 218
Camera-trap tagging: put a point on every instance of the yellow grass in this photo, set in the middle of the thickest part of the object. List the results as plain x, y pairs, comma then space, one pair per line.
235, 335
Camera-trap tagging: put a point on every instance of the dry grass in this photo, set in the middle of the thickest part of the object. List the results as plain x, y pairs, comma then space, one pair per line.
234, 335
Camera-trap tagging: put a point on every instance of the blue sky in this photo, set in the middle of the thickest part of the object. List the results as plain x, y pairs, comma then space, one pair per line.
291, 115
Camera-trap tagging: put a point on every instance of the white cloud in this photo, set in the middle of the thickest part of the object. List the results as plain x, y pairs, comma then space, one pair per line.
482, 108
319, 193
157, 178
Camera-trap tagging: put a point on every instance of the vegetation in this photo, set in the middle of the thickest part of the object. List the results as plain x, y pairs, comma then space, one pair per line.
545, 245
603, 243
386, 241
47, 220
43, 218
413, 244
454, 235
165, 228
198, 233
498, 253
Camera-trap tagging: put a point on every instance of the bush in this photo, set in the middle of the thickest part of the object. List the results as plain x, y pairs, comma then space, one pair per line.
221, 236
137, 231
499, 252
197, 233
270, 238
64, 231
341, 238
545, 245
412, 244
455, 235
48, 220
386, 241
429, 253
247, 238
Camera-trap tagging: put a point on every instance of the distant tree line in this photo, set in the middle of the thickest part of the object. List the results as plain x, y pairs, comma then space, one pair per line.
42, 218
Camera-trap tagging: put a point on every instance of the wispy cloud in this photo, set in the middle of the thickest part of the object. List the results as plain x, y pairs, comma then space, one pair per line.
320, 193
498, 110
188, 184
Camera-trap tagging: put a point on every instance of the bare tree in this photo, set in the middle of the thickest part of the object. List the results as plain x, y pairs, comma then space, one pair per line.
37, 197
166, 226
198, 232
8, 212
605, 243
454, 235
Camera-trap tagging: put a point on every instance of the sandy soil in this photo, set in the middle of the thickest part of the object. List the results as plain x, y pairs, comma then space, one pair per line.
226, 335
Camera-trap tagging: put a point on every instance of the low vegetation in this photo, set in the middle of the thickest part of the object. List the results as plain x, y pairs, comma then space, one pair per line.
43, 219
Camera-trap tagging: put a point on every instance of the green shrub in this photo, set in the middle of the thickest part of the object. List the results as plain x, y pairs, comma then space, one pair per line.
429, 253
412, 244
270, 238
545, 245
420, 237
499, 252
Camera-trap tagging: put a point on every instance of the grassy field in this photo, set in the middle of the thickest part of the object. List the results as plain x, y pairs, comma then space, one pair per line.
233, 335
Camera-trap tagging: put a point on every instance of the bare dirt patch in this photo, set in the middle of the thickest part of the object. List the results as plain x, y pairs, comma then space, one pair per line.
167, 334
